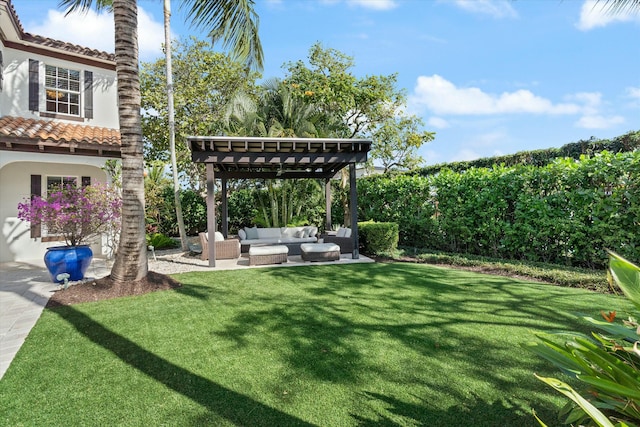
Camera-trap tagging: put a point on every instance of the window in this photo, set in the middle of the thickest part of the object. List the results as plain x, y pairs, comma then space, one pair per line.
62, 88
55, 182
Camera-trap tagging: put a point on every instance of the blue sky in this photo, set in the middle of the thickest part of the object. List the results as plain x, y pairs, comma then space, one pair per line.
490, 77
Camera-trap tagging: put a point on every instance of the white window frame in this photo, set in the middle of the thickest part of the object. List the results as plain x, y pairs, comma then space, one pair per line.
62, 180
63, 90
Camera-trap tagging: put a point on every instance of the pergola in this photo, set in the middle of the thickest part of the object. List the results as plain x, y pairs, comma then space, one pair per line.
232, 157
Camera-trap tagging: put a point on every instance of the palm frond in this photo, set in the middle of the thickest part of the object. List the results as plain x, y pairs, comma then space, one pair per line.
620, 7
84, 5
234, 23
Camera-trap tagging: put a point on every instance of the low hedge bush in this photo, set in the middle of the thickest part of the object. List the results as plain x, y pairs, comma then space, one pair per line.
378, 237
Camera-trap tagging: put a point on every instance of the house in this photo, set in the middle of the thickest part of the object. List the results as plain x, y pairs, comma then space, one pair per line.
58, 124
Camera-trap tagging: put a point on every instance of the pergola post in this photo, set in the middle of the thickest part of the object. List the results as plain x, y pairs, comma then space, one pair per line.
353, 206
211, 214
224, 208
327, 198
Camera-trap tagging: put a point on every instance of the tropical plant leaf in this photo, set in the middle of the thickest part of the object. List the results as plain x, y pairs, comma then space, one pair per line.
557, 355
611, 387
626, 276
591, 410
615, 329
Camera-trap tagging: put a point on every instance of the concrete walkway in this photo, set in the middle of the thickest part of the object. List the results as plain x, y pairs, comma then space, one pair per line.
25, 289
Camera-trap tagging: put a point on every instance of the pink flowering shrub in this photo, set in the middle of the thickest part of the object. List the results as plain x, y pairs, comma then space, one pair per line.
77, 214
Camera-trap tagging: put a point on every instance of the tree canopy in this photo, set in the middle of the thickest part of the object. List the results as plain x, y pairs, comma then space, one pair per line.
205, 82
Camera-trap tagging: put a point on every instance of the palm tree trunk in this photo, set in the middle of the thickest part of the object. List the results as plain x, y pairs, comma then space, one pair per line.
131, 259
172, 125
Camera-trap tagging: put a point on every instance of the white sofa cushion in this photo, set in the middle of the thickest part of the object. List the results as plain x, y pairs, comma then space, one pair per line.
275, 235
269, 233
289, 231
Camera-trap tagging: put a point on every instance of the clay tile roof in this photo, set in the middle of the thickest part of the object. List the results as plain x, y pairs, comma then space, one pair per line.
57, 44
19, 129
68, 47
15, 15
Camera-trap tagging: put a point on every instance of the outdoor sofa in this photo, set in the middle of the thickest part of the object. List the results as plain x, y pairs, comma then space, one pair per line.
290, 236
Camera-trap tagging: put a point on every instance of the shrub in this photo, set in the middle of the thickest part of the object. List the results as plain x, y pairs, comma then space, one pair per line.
194, 212
566, 212
78, 214
161, 241
378, 237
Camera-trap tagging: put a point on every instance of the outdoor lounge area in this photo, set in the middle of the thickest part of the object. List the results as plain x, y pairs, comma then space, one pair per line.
228, 157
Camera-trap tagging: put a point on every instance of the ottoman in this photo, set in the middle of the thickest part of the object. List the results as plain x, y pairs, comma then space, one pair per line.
320, 252
262, 255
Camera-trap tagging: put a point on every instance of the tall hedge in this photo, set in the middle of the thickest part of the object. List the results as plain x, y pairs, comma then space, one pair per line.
566, 212
589, 147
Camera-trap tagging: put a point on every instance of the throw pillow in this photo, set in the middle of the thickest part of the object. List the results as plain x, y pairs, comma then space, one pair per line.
347, 232
298, 234
341, 232
252, 232
241, 234
313, 231
218, 237
305, 232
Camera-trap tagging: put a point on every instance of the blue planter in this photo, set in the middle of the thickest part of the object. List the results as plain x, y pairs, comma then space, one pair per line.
73, 260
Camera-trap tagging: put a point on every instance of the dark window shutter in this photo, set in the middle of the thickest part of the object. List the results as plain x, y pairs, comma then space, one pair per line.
34, 85
86, 181
88, 95
36, 190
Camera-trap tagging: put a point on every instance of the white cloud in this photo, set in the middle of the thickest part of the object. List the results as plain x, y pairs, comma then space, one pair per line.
88, 29
599, 122
95, 30
494, 8
150, 35
443, 97
374, 4
596, 14
438, 123
633, 92
366, 4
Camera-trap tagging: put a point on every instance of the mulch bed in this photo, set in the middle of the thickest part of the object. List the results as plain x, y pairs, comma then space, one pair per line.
105, 288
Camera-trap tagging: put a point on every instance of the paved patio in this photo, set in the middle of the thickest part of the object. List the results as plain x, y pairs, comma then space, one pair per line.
25, 288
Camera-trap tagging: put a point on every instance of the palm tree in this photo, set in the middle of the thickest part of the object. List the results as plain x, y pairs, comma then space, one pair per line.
172, 125
235, 23
276, 113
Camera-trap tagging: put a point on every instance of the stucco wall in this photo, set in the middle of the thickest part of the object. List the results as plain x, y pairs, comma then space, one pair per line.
15, 185
14, 98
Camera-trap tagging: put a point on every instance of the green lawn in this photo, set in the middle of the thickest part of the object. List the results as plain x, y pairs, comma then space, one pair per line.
341, 345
